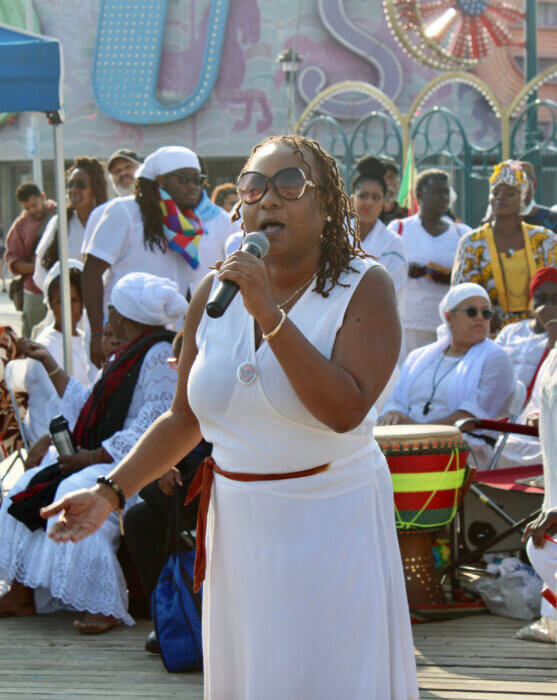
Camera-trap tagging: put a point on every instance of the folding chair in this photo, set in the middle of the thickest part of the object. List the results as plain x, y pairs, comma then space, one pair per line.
481, 535
14, 377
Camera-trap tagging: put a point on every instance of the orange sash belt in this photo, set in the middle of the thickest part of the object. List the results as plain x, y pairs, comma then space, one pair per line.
202, 483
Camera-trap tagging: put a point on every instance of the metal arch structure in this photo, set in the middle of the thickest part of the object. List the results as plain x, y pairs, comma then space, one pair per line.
389, 115
389, 128
539, 147
457, 77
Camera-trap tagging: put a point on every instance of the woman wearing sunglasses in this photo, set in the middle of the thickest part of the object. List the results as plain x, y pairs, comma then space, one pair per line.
461, 375
304, 592
86, 188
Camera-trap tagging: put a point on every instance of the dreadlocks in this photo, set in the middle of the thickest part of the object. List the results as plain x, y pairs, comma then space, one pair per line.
148, 202
340, 241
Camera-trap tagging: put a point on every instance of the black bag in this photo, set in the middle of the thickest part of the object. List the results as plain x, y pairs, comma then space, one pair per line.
15, 292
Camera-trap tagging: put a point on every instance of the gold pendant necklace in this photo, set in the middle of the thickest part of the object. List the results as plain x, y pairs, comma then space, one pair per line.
305, 284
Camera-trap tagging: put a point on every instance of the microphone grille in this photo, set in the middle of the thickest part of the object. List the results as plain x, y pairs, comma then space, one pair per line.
258, 239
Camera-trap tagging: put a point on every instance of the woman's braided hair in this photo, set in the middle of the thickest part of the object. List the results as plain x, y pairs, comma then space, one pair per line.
147, 199
340, 239
94, 168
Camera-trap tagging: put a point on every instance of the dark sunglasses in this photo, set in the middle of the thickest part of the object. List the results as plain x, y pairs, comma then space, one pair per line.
289, 183
197, 179
472, 312
78, 184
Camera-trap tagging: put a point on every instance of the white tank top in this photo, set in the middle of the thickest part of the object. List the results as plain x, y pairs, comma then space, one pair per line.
263, 427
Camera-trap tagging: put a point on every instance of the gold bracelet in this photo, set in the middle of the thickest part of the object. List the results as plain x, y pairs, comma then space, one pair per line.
276, 329
51, 374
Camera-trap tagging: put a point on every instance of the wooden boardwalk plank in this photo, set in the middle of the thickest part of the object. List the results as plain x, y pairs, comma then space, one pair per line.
472, 659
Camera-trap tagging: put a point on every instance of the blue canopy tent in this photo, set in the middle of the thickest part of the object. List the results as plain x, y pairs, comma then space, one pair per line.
31, 81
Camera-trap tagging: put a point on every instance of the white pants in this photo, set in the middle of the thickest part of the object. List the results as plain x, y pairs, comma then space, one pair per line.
544, 561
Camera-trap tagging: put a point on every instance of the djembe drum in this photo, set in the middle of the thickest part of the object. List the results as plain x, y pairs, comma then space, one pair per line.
428, 468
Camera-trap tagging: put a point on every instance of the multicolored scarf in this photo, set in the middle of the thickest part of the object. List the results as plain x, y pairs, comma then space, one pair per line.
182, 231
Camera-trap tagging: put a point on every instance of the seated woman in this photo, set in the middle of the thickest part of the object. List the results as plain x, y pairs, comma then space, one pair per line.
504, 254
42, 408
528, 343
461, 375
132, 392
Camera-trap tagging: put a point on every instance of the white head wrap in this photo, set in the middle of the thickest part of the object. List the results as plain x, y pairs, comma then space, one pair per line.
464, 381
148, 299
459, 293
166, 160
54, 274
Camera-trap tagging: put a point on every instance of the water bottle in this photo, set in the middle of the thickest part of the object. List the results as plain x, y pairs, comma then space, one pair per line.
61, 436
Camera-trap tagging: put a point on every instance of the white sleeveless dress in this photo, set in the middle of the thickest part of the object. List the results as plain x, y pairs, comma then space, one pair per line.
304, 593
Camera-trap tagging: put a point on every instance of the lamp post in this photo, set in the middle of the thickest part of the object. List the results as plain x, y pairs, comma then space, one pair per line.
290, 61
532, 132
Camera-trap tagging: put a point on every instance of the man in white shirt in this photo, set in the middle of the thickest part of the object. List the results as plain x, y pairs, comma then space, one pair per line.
132, 235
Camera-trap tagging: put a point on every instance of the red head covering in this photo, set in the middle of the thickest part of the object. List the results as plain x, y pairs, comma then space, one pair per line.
543, 275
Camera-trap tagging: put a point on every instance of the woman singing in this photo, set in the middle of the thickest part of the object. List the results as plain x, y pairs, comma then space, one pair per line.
304, 593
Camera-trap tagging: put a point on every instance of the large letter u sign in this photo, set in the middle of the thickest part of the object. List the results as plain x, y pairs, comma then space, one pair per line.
129, 46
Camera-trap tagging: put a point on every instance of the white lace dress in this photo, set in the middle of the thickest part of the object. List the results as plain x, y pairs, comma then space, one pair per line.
304, 594
85, 576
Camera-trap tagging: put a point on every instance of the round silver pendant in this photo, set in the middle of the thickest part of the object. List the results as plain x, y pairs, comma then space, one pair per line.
247, 372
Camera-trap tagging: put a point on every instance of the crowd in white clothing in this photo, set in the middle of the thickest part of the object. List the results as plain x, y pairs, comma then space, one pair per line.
128, 261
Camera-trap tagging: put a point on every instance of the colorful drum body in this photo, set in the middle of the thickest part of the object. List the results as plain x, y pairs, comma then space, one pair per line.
428, 468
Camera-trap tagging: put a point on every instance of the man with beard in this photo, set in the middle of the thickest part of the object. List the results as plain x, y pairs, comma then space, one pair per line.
21, 243
121, 167
168, 228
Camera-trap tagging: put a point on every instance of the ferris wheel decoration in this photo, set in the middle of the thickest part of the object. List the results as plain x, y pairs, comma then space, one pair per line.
452, 34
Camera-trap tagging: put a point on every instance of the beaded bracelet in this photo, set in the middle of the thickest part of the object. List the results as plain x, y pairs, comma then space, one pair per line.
121, 498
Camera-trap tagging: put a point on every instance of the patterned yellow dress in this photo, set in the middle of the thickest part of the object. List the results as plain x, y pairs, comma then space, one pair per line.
506, 277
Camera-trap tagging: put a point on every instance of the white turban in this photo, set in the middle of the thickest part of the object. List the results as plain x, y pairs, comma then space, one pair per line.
166, 160
54, 274
459, 293
148, 299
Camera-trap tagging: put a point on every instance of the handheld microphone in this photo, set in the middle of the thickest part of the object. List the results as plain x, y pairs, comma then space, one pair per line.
255, 243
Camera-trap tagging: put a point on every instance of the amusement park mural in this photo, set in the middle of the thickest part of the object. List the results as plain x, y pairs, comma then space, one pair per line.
205, 72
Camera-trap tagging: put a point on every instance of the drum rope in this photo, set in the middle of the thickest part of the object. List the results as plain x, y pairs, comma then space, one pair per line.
408, 525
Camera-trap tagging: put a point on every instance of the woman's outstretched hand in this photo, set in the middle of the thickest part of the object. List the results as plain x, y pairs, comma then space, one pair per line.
81, 514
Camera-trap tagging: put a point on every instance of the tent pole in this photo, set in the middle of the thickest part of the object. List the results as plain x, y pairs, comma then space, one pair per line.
63, 245
34, 127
